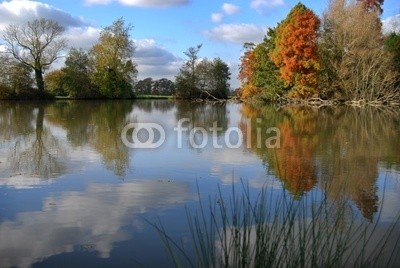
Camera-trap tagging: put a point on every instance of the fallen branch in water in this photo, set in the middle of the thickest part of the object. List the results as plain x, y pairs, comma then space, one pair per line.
211, 98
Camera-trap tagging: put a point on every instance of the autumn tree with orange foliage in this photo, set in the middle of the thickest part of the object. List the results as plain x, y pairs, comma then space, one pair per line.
296, 51
246, 72
258, 74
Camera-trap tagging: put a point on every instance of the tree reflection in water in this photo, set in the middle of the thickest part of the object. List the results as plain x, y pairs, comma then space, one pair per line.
293, 161
203, 115
339, 148
155, 105
355, 143
98, 125
211, 118
35, 151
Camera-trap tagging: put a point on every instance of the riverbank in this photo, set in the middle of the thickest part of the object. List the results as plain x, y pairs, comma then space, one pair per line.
138, 97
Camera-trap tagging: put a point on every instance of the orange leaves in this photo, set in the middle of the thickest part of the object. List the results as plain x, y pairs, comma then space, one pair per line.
294, 161
248, 68
295, 51
287, 59
249, 90
246, 71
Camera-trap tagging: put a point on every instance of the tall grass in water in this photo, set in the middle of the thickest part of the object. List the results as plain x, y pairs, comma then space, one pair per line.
241, 231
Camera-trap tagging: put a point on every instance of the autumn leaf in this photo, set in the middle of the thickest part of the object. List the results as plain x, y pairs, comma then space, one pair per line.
295, 51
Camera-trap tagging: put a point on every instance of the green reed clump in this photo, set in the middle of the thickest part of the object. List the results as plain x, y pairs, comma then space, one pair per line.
267, 231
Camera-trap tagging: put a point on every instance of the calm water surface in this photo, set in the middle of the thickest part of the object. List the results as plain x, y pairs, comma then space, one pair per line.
73, 195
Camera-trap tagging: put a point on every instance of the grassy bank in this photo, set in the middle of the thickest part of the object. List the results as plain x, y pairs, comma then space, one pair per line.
153, 97
138, 97
241, 231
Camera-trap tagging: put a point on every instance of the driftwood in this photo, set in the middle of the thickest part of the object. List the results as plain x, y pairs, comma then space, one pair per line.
212, 99
314, 102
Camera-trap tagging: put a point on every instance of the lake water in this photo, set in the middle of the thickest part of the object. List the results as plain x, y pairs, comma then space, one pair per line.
73, 194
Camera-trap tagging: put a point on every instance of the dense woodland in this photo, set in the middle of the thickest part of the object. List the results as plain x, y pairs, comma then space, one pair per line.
341, 57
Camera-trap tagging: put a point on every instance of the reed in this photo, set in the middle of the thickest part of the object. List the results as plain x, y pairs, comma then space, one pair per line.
270, 231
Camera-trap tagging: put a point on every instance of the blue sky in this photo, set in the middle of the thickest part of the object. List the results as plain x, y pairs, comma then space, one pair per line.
163, 29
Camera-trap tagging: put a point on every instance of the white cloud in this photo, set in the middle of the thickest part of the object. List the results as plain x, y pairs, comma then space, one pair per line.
82, 37
155, 61
227, 9
217, 17
236, 33
78, 31
391, 24
98, 2
22, 11
141, 3
262, 5
230, 9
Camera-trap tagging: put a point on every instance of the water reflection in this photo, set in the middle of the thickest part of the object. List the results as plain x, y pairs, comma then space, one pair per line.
293, 161
205, 125
151, 105
340, 148
98, 125
75, 149
95, 219
35, 151
203, 115
16, 120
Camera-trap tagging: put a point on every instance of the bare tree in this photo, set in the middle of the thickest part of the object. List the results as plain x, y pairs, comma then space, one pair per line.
36, 44
352, 51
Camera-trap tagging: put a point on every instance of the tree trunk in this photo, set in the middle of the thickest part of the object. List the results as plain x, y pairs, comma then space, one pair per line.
39, 80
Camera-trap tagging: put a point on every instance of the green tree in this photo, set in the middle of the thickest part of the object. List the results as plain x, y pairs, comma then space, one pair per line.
36, 44
111, 58
220, 76
202, 79
186, 80
148, 86
203, 73
164, 86
15, 79
144, 86
55, 81
392, 44
77, 81
267, 73
258, 74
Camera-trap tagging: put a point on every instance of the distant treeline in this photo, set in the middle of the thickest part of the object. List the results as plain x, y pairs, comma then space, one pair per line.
148, 86
104, 71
